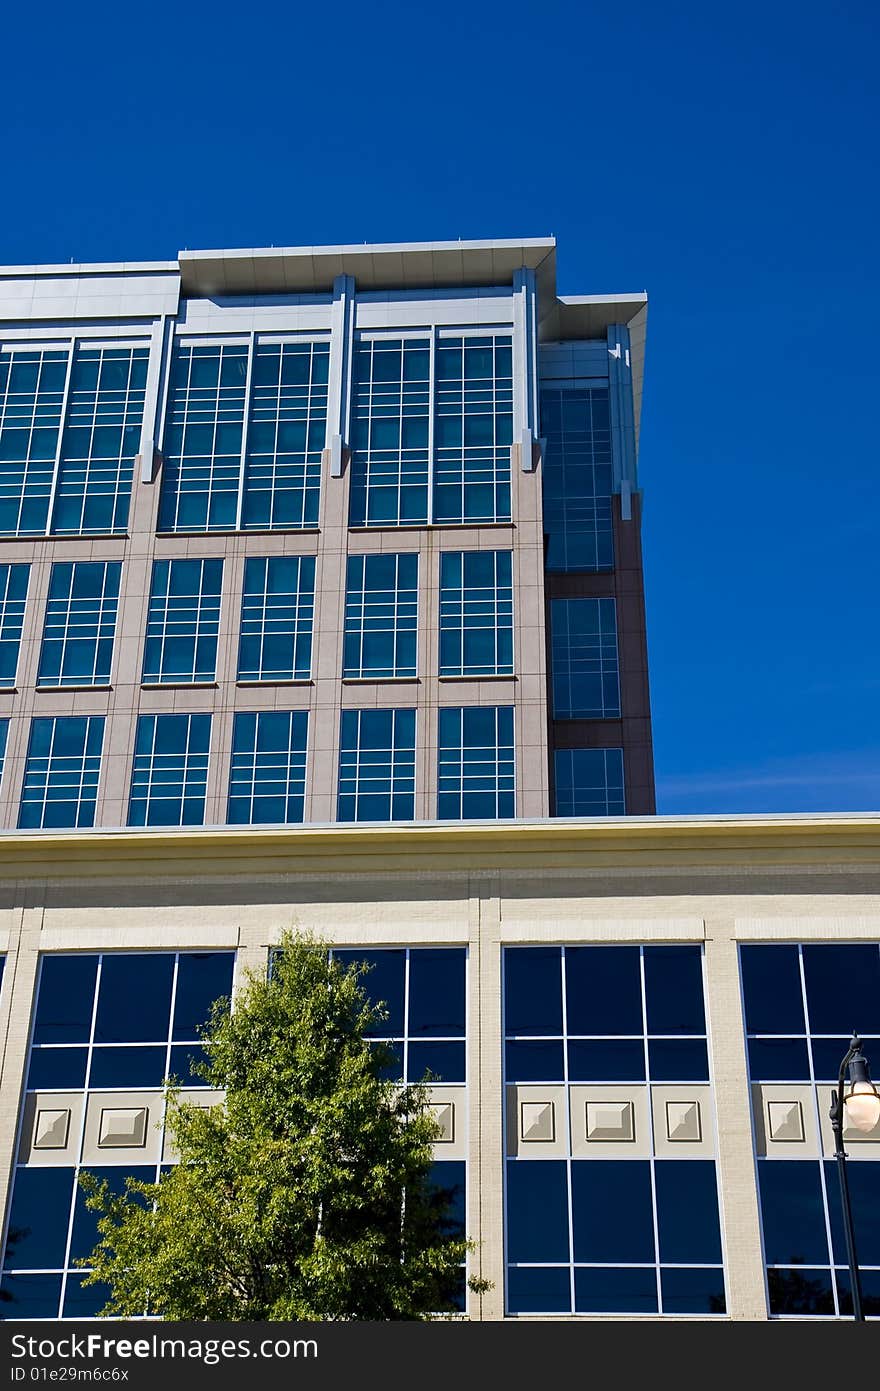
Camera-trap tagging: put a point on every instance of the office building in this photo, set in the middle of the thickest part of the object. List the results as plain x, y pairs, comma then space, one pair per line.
296, 539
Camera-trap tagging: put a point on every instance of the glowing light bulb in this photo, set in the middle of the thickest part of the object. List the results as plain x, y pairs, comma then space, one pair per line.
862, 1106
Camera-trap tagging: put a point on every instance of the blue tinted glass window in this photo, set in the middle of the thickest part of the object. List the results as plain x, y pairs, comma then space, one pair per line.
390, 432
687, 1212
384, 984
534, 1060
445, 1061
473, 429
37, 1232
589, 782
533, 990
32, 388
537, 1211
577, 478
583, 640
604, 1290
127, 1067
381, 615
286, 434
202, 978
476, 777
13, 597
57, 1069
779, 1060
674, 990
60, 786
476, 613
612, 1212
80, 623
203, 439
267, 779
30, 1296
607, 1060
693, 1291
437, 992
66, 999
864, 1193
277, 616
83, 1301
678, 1060
183, 622
801, 1291
134, 997
792, 1212
843, 987
377, 765
603, 990
102, 436
4, 734
772, 992
170, 770
536, 1290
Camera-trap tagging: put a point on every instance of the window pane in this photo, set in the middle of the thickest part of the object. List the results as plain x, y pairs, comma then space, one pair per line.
533, 990
390, 408
802, 1292
13, 597
537, 1210
381, 615
534, 1062
66, 998
183, 622
60, 786
603, 987
772, 989
473, 429
792, 1214
609, 1291
170, 770
693, 1292
277, 615
778, 1060
80, 624
843, 988
202, 978
288, 419
38, 1218
384, 984
674, 990
476, 763
267, 780
31, 400
134, 998
476, 613
204, 424
377, 765
589, 782
577, 478
612, 1211
611, 1060
583, 634
546, 1291
687, 1211
436, 992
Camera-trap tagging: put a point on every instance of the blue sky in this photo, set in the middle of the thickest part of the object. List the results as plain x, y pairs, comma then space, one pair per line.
723, 158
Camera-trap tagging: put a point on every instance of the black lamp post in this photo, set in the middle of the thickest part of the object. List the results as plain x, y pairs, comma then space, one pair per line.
860, 1108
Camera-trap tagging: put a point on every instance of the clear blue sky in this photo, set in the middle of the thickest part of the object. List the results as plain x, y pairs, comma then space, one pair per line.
722, 157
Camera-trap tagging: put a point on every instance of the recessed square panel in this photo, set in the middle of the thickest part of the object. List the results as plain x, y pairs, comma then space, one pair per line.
444, 1114
785, 1121
610, 1120
123, 1129
683, 1121
51, 1129
537, 1120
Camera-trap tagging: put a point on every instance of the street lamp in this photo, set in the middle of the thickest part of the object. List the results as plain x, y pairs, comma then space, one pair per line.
859, 1108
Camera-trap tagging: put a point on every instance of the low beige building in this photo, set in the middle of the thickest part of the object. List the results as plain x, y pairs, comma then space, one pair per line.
636, 1024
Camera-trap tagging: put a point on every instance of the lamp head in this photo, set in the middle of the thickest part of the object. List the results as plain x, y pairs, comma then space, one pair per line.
862, 1105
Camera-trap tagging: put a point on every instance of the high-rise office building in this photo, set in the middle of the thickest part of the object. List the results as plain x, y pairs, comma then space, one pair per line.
296, 539
322, 534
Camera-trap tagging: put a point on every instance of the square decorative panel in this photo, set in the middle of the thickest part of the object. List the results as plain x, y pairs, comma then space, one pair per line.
683, 1121
785, 1120
50, 1130
610, 1120
123, 1129
537, 1120
444, 1114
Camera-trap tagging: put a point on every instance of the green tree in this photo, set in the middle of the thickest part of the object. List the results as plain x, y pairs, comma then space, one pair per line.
306, 1193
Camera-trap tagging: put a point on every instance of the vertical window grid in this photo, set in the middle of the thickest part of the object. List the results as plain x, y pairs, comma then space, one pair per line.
286, 434
473, 422
101, 437
390, 433
476, 772
577, 478
32, 388
796, 987
381, 616
161, 1000
4, 735
476, 613
628, 1209
13, 598
80, 623
584, 665
183, 622
60, 787
203, 439
169, 776
267, 779
277, 616
589, 782
377, 765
